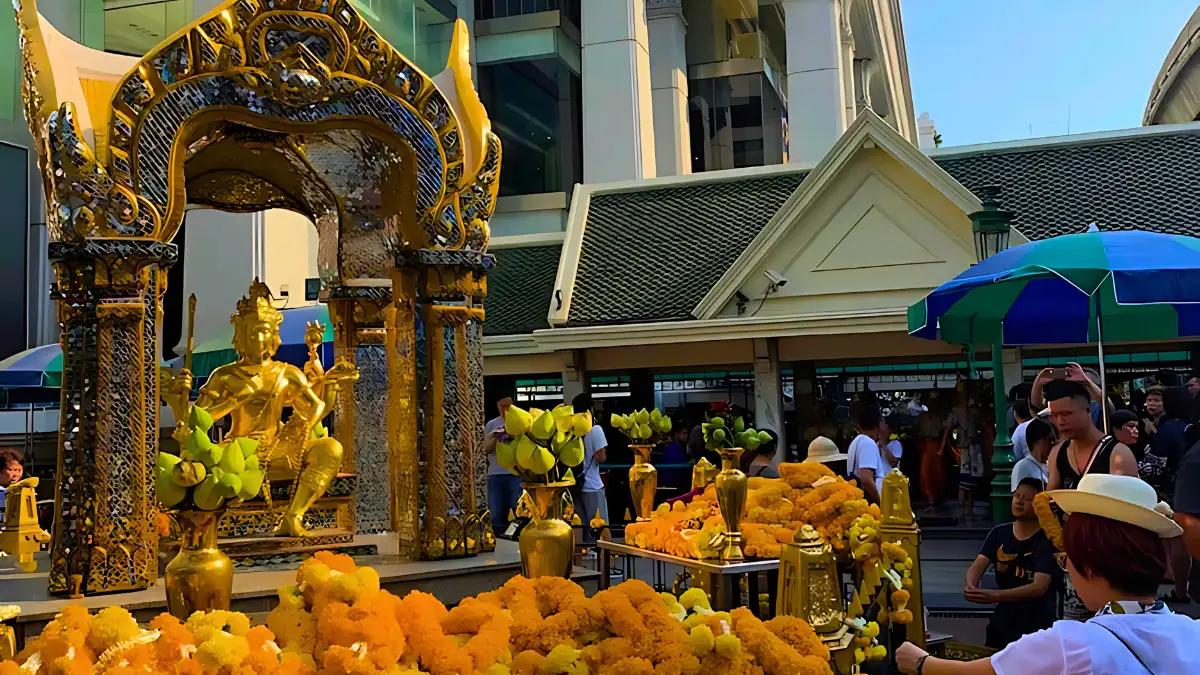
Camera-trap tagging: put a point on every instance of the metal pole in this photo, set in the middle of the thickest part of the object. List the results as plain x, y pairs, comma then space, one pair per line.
1100, 355
1002, 448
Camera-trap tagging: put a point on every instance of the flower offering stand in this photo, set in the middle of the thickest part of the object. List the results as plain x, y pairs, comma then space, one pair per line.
722, 581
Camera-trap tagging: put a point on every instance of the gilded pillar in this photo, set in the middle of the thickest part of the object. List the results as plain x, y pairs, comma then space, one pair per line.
900, 526
448, 309
109, 295
360, 315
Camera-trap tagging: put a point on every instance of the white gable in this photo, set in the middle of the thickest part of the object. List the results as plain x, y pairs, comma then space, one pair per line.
877, 235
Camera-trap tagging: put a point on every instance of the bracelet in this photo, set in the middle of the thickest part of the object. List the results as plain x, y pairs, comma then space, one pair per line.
921, 663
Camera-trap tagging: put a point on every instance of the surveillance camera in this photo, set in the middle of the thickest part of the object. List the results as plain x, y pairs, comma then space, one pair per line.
776, 279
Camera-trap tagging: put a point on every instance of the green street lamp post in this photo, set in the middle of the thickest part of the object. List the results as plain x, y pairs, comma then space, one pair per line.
991, 228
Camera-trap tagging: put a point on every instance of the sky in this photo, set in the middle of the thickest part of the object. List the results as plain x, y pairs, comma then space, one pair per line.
990, 71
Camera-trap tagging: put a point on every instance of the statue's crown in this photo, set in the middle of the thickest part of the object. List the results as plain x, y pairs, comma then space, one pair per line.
258, 303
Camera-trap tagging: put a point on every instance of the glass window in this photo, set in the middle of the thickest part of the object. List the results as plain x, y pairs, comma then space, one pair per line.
535, 109
134, 30
736, 122
496, 9
419, 29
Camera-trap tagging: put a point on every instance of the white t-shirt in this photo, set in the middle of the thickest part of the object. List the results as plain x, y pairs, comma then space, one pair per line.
864, 454
1020, 445
1165, 643
594, 441
897, 450
494, 468
1029, 467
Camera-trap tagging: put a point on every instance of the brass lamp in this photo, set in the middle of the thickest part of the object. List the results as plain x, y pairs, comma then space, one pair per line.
810, 584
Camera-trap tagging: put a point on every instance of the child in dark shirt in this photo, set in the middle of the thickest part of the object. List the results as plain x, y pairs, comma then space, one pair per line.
1025, 567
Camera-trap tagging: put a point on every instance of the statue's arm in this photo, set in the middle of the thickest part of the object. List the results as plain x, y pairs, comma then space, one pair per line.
215, 399
307, 402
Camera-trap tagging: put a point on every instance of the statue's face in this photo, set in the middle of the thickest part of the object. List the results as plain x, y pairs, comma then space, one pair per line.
258, 340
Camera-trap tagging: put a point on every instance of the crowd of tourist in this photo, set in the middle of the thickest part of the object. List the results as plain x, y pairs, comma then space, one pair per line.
1127, 479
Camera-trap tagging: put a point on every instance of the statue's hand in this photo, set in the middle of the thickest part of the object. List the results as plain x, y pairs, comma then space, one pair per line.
181, 383
314, 372
343, 370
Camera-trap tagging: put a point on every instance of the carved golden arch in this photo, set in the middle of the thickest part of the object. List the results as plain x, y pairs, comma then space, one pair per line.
271, 103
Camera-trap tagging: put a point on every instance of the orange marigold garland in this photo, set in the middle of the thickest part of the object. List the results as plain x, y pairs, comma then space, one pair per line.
1050, 517
337, 621
808, 494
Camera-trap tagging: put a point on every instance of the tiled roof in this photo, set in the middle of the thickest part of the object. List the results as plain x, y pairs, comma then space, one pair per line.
651, 255
1147, 182
519, 289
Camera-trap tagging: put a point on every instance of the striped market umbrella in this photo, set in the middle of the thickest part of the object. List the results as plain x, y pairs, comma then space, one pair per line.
1074, 289
32, 368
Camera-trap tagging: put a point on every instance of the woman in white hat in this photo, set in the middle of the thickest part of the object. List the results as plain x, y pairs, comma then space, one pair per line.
824, 451
1116, 560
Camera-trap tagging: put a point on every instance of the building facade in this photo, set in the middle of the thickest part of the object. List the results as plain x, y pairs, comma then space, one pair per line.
764, 279
1175, 96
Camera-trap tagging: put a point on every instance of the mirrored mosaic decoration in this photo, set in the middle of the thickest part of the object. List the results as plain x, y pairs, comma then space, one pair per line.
295, 104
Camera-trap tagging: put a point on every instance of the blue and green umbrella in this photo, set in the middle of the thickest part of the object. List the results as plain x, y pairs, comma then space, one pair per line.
41, 367
32, 368
214, 353
1084, 288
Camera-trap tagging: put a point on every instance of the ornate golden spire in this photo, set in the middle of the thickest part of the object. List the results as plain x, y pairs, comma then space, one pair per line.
258, 304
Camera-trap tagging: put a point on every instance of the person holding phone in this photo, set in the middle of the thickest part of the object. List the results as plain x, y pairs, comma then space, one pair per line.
504, 487
1072, 373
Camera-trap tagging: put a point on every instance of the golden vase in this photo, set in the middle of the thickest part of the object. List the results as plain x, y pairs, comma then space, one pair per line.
731, 498
547, 542
200, 578
643, 481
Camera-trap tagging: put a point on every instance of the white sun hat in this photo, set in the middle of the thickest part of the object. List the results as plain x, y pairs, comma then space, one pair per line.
1126, 499
823, 450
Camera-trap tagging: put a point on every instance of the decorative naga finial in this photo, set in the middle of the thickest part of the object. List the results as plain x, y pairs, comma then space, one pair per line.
457, 85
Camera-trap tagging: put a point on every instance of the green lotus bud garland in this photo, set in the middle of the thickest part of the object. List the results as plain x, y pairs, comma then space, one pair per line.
205, 476
642, 427
724, 432
546, 444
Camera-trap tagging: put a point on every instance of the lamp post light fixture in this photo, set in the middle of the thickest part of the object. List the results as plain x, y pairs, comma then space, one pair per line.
991, 228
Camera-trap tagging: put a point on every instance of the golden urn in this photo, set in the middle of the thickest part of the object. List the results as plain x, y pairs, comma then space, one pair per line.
200, 578
547, 542
643, 481
731, 498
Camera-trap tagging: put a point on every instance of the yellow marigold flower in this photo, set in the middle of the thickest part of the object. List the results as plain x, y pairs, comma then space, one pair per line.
290, 597
110, 626
728, 645
694, 597
222, 650
701, 640
295, 629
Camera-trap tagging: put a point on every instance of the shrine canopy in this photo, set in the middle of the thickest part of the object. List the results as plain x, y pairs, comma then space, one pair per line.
1073, 289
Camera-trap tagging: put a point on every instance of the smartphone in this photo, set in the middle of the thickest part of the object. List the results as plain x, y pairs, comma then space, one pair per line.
1058, 373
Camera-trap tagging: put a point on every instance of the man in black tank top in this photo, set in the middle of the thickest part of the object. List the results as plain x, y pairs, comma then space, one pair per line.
1087, 449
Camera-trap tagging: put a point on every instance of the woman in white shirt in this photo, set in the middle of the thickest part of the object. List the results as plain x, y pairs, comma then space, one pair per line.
1039, 435
865, 462
1116, 560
